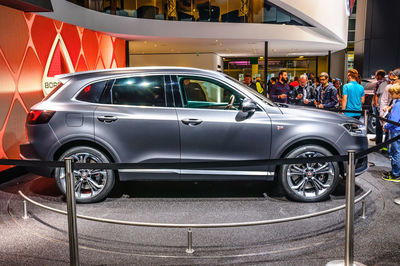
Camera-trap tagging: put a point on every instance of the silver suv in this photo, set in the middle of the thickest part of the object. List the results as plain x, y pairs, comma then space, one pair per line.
170, 114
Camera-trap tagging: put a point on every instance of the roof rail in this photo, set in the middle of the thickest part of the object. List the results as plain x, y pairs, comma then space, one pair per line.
126, 69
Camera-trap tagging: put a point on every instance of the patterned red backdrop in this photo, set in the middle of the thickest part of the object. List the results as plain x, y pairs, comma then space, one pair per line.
26, 40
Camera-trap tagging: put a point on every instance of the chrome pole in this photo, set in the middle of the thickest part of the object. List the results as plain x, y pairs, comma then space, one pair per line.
366, 118
363, 208
349, 248
25, 211
349, 223
71, 209
189, 249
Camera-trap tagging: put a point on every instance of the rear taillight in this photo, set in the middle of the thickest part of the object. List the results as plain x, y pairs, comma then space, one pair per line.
39, 116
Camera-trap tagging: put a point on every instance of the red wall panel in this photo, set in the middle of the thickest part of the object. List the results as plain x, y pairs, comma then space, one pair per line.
26, 42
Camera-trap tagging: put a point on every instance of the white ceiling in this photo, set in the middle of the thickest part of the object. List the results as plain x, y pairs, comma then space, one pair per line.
227, 48
152, 36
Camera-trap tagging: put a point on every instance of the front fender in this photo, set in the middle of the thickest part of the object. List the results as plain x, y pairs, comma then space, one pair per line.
278, 153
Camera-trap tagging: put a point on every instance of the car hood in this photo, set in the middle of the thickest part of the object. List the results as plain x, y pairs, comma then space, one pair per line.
313, 113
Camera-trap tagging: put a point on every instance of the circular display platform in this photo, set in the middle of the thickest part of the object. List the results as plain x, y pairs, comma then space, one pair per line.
195, 203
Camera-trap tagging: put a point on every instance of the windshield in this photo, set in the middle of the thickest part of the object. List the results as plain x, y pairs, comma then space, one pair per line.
258, 95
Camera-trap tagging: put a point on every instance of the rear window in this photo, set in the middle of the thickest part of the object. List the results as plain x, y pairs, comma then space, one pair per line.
53, 91
139, 91
92, 93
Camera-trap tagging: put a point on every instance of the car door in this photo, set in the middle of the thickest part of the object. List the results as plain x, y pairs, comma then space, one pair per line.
213, 130
135, 121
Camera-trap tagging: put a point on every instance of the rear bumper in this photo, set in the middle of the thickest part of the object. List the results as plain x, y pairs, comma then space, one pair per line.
27, 152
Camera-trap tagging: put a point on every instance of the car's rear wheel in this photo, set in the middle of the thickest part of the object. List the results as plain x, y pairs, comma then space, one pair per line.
91, 185
309, 182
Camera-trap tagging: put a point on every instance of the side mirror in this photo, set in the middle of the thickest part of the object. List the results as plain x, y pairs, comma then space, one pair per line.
248, 106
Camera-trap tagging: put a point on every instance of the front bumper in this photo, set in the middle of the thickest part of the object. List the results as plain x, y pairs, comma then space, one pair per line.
361, 165
27, 152
349, 142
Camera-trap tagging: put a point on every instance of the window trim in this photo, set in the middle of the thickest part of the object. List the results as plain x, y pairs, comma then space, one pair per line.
169, 91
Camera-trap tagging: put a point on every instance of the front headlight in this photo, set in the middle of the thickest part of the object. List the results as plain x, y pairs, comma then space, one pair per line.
355, 129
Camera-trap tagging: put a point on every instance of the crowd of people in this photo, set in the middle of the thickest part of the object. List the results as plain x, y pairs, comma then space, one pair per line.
323, 92
320, 92
385, 104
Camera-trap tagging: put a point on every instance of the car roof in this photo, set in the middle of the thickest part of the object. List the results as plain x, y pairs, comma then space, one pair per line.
131, 70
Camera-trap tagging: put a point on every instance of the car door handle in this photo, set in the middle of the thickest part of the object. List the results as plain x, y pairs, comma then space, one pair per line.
107, 118
191, 121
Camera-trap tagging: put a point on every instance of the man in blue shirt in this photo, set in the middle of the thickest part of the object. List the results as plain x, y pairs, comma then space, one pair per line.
353, 95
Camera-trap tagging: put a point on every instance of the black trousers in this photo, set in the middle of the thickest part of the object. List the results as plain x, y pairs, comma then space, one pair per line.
378, 132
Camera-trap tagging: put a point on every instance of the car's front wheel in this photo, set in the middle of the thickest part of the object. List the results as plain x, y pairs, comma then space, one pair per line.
91, 185
309, 182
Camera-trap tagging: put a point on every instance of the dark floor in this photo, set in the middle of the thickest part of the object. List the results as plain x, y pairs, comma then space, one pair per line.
43, 240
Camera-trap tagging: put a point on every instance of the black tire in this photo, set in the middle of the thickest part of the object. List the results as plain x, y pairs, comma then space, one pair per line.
371, 125
309, 185
95, 184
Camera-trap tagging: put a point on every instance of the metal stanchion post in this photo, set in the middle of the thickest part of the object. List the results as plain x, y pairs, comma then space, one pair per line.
366, 118
71, 209
189, 249
363, 209
349, 243
349, 248
25, 211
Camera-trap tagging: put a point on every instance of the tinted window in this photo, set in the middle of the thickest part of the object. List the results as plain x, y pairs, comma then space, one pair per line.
92, 92
140, 91
205, 93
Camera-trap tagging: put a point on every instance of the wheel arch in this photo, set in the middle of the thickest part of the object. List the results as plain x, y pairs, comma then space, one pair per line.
76, 143
92, 144
318, 142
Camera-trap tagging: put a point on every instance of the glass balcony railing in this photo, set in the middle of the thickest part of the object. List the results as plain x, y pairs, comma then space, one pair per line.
239, 11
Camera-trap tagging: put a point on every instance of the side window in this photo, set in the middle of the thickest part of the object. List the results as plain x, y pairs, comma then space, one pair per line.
139, 91
205, 93
92, 92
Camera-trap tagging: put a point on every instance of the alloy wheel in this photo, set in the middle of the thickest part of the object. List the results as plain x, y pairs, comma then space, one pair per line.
88, 182
310, 180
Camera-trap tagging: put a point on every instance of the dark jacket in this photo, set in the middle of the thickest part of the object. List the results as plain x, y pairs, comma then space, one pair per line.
308, 93
327, 96
279, 89
252, 85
